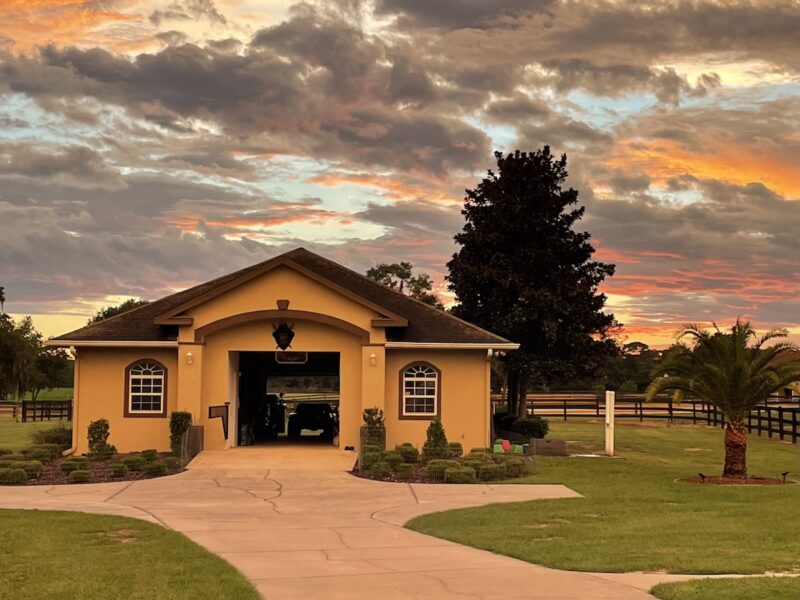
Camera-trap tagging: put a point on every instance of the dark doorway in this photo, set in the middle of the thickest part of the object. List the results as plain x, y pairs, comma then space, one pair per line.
288, 396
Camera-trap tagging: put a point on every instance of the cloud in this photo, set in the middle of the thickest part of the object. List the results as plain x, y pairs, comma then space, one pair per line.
188, 10
77, 165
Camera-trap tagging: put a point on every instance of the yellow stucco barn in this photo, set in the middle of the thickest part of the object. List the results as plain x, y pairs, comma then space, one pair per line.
295, 347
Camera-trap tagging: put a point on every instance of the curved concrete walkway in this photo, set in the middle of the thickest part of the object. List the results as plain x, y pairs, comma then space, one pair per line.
299, 526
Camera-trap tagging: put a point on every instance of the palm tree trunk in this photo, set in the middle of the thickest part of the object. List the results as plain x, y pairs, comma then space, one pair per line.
735, 450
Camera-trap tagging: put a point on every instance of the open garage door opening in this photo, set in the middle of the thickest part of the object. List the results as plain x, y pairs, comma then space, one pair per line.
288, 396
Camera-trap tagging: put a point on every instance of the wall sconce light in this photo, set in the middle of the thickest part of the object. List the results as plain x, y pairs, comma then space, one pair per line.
373, 360
189, 358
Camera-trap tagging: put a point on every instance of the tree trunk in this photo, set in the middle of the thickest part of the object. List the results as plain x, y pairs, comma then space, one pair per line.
735, 450
512, 392
522, 401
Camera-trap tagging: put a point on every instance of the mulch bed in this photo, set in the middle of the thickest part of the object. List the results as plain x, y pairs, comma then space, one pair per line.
734, 481
100, 470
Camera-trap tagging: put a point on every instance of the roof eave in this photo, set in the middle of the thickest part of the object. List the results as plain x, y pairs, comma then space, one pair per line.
59, 343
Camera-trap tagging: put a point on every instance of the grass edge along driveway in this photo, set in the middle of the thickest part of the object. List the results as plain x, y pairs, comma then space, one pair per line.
634, 516
66, 555
755, 588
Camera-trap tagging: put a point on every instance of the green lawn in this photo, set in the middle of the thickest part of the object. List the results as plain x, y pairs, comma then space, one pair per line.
60, 555
756, 588
635, 516
18, 435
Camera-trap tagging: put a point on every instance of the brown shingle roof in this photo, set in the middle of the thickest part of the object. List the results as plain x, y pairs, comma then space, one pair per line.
426, 324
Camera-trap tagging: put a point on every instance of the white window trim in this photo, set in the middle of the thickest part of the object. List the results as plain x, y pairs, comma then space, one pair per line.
435, 378
140, 377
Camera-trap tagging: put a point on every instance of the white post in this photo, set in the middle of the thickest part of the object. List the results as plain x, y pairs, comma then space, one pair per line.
610, 397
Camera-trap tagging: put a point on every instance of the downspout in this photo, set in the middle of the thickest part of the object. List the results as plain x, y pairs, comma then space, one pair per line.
487, 374
75, 385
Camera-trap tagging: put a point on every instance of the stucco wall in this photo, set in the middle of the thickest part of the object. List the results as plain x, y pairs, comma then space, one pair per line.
263, 293
465, 397
100, 393
257, 336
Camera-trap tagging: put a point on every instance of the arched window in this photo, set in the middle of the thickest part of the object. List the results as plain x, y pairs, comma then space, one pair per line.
420, 392
145, 389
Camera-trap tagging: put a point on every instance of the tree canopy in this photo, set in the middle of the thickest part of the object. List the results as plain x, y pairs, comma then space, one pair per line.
111, 311
524, 272
26, 365
400, 277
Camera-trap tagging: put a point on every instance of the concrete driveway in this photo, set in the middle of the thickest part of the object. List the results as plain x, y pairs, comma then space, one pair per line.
299, 526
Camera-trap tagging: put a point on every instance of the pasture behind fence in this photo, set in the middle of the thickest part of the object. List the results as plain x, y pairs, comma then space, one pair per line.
777, 418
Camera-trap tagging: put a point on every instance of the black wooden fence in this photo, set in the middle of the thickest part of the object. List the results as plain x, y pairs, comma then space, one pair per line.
46, 410
778, 418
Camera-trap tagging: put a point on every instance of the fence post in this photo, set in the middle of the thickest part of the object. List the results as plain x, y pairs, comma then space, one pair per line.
759, 421
749, 422
565, 410
694, 413
769, 422
670, 410
24, 411
794, 425
780, 421
641, 410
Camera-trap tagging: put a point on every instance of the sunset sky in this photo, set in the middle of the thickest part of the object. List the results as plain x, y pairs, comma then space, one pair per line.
146, 146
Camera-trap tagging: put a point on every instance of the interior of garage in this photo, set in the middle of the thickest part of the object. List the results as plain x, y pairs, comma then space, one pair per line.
288, 397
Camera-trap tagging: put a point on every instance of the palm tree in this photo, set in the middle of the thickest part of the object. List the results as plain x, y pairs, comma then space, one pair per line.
728, 371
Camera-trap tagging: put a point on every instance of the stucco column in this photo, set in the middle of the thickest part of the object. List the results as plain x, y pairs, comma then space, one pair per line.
373, 377
190, 371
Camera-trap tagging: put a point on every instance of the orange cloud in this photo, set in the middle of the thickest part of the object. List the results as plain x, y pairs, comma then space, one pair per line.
32, 23
731, 162
394, 189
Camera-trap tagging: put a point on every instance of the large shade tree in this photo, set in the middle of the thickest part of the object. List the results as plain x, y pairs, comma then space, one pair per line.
735, 371
400, 277
523, 271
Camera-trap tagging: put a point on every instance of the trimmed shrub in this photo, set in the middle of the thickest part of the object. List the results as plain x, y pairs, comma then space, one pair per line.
480, 450
454, 449
149, 455
392, 457
173, 463
4, 451
5, 464
38, 454
155, 468
477, 463
76, 463
134, 463
436, 443
491, 471
459, 475
373, 431
505, 422
99, 448
15, 456
515, 467
405, 471
59, 435
368, 459
32, 468
409, 452
438, 466
371, 448
53, 449
13, 476
79, 476
118, 469
380, 470
531, 427
179, 423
